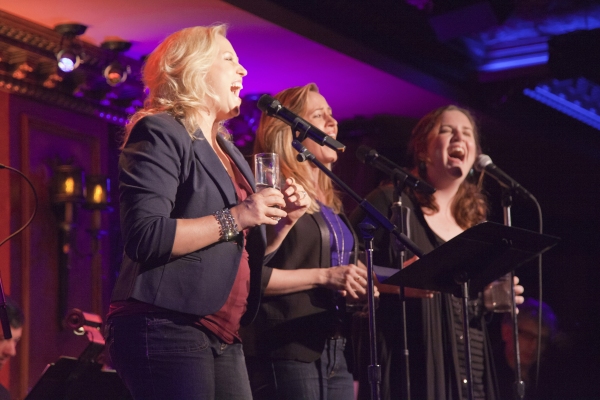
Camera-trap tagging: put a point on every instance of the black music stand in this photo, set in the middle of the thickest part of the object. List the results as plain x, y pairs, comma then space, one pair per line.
71, 379
466, 264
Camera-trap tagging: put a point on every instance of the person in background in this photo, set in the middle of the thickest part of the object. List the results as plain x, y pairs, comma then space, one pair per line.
298, 346
8, 347
528, 326
443, 147
193, 228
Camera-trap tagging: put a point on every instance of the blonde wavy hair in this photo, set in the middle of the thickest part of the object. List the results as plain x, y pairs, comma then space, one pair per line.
175, 77
275, 136
469, 206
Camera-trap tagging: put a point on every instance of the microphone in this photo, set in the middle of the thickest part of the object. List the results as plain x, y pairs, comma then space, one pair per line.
484, 163
370, 156
274, 108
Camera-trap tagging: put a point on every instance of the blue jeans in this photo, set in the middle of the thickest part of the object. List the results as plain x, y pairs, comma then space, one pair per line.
327, 378
162, 356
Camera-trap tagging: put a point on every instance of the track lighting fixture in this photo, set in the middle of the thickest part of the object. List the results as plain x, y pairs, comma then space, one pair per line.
69, 56
116, 72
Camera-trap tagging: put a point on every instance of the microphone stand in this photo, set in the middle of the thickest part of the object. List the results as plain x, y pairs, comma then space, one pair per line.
399, 218
519, 385
374, 219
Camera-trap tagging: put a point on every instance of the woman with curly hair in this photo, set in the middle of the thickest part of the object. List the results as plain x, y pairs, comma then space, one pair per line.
443, 148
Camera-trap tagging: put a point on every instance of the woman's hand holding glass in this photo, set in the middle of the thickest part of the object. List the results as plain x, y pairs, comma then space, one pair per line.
497, 294
264, 207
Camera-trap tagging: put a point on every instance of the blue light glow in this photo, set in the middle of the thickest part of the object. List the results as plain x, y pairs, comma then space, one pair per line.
553, 96
514, 62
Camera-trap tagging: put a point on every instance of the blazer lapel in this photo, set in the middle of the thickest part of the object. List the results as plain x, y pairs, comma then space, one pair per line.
239, 160
213, 166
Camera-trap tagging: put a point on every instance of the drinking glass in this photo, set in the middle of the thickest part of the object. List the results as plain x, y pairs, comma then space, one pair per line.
266, 171
498, 297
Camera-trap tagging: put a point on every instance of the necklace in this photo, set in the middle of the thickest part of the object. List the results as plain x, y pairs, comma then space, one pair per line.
335, 235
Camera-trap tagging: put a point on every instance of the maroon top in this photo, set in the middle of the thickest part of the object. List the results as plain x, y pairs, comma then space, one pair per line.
225, 323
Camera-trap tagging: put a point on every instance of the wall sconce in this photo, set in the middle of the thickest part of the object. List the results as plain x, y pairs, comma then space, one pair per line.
67, 191
70, 188
97, 192
69, 56
97, 199
67, 184
116, 73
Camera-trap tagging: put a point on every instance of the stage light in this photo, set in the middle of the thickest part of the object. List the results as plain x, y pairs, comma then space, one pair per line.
116, 72
69, 57
67, 60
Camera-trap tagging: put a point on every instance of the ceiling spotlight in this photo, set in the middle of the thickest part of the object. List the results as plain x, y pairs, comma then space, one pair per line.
68, 60
116, 72
69, 55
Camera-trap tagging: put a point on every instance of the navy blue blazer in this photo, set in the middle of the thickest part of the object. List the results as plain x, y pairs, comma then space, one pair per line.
164, 175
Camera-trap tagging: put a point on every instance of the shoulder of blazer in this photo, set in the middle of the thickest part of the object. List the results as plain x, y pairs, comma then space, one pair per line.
162, 120
162, 126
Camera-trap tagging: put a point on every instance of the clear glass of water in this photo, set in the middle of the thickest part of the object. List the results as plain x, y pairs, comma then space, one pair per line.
266, 171
498, 296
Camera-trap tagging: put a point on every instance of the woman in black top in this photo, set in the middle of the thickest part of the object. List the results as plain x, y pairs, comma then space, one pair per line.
296, 348
443, 146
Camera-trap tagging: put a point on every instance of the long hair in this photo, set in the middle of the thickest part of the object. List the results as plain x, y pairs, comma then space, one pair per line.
275, 136
469, 206
175, 77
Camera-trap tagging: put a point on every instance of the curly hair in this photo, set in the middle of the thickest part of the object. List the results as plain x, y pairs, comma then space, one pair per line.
275, 136
175, 77
469, 206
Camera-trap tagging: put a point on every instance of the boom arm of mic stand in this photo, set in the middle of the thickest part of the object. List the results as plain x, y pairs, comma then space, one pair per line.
375, 215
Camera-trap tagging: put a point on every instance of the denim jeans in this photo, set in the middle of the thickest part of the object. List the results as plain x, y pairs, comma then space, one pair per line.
327, 378
161, 356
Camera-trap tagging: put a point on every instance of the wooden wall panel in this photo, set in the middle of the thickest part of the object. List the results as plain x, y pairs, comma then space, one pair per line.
42, 136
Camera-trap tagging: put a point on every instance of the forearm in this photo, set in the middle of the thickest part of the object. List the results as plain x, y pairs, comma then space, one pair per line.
291, 281
194, 234
276, 234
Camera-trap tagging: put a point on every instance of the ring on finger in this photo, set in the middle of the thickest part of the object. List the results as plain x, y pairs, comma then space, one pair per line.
302, 194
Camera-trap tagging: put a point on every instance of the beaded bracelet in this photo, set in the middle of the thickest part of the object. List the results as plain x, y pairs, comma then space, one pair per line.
227, 225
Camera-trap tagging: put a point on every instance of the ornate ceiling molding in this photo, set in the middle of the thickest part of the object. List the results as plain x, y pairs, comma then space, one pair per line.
28, 67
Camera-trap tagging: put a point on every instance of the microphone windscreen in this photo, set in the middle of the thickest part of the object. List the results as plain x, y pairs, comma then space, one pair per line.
267, 104
365, 154
482, 161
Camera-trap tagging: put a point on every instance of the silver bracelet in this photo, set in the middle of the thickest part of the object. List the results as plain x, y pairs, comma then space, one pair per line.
227, 225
